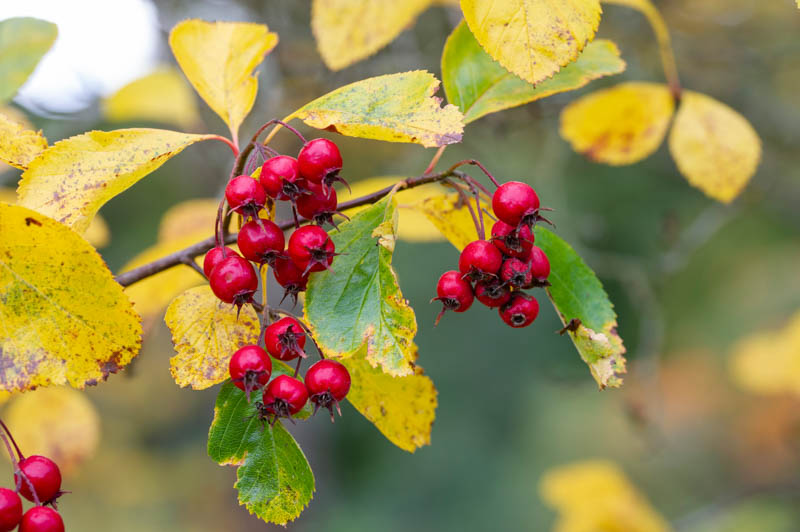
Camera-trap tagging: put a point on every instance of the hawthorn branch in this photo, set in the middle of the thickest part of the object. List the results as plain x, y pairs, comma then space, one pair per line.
188, 254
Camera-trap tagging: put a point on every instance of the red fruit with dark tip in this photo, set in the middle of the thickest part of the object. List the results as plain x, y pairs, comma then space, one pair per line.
320, 162
250, 368
43, 474
41, 519
327, 382
311, 248
492, 293
512, 241
480, 260
233, 280
539, 265
261, 241
516, 203
454, 292
319, 205
280, 177
245, 196
516, 273
285, 396
10, 510
285, 339
290, 277
520, 311
215, 256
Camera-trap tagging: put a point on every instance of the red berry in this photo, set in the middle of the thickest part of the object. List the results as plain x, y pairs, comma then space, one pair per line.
41, 519
245, 196
311, 248
512, 241
319, 205
327, 382
214, 257
43, 474
520, 311
234, 281
454, 292
480, 260
280, 177
285, 339
538, 263
320, 161
285, 396
516, 273
492, 293
10, 510
515, 203
250, 367
261, 241
290, 277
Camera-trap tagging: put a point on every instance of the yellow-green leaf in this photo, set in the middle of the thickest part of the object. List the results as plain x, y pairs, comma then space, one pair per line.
619, 125
395, 108
206, 332
402, 408
533, 38
63, 318
162, 96
218, 58
715, 148
18, 145
348, 31
23, 42
73, 178
479, 86
59, 422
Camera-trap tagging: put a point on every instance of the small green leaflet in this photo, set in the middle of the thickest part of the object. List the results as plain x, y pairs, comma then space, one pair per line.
274, 479
23, 42
359, 301
478, 85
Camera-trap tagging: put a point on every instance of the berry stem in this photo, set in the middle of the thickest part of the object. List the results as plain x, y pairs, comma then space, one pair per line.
232, 144
477, 163
465, 200
193, 265
11, 436
19, 475
435, 160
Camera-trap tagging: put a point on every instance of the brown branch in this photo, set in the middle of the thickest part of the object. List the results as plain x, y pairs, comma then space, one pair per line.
189, 253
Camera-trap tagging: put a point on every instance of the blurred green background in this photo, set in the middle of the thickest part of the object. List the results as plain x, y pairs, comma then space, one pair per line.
689, 277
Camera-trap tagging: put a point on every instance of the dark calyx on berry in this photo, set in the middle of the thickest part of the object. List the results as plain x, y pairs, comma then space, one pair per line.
516, 203
516, 273
44, 476
320, 162
284, 396
327, 382
454, 292
492, 293
319, 204
280, 177
250, 368
512, 241
245, 196
234, 281
41, 519
261, 241
480, 260
520, 311
285, 339
311, 249
290, 277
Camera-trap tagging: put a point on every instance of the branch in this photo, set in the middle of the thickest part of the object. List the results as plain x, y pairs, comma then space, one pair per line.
189, 253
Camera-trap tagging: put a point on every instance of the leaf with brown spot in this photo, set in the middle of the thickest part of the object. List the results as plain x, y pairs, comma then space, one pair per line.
18, 145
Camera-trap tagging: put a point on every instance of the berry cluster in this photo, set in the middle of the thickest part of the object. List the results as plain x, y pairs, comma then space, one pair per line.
498, 270
306, 183
38, 479
326, 382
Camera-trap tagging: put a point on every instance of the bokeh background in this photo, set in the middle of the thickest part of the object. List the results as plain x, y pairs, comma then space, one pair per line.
690, 278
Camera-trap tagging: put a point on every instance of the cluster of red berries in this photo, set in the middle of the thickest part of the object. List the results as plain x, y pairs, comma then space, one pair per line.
326, 382
498, 270
306, 182
38, 479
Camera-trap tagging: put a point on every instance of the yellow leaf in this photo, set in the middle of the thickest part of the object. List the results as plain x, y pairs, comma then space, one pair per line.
619, 125
60, 423
394, 108
769, 362
189, 216
595, 495
402, 408
412, 224
72, 179
218, 58
206, 332
715, 147
63, 318
532, 38
162, 96
18, 145
447, 213
97, 234
348, 31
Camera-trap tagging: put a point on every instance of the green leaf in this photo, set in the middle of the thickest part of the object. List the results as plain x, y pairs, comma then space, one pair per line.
577, 293
394, 108
274, 479
359, 301
23, 42
478, 85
